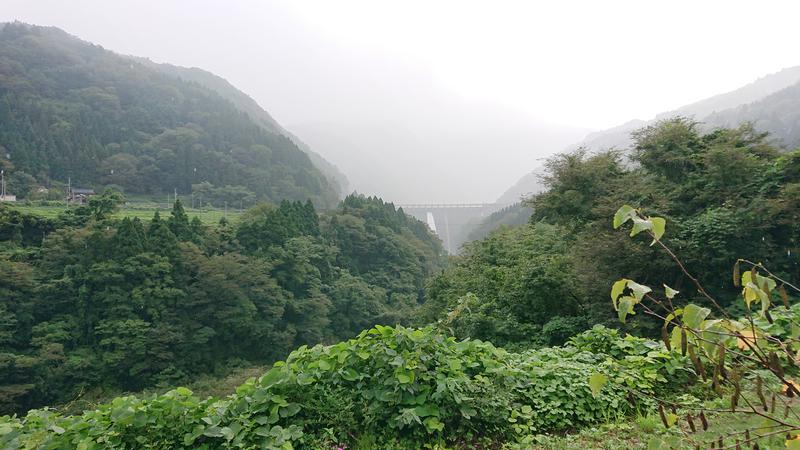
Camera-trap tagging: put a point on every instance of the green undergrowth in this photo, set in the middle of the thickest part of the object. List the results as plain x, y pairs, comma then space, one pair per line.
644, 431
391, 387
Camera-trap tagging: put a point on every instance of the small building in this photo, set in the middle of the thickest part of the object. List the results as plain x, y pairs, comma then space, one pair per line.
8, 198
79, 195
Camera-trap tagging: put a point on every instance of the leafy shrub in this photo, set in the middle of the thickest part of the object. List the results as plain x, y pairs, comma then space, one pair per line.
523, 279
395, 387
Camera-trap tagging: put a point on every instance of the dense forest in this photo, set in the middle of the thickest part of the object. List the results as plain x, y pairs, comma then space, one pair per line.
73, 110
91, 302
727, 194
516, 338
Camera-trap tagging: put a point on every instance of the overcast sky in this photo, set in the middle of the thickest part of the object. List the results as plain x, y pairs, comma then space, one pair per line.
446, 100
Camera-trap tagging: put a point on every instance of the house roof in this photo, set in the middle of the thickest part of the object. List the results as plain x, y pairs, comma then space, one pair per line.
82, 191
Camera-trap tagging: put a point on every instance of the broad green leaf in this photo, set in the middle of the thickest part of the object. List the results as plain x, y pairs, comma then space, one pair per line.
623, 214
213, 432
349, 374
183, 391
675, 338
678, 312
290, 410
766, 284
659, 225
304, 379
273, 377
671, 419
639, 290
596, 383
751, 293
694, 315
793, 443
468, 412
227, 433
747, 277
765, 302
669, 292
433, 424
427, 410
640, 225
625, 307
403, 378
617, 289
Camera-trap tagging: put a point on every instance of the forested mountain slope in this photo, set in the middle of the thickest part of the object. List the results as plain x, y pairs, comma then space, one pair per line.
778, 114
512, 215
70, 109
246, 104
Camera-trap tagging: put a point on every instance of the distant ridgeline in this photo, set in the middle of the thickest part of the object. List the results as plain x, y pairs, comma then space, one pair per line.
512, 215
70, 109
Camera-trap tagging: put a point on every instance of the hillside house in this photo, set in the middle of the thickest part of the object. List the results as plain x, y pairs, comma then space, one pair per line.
79, 195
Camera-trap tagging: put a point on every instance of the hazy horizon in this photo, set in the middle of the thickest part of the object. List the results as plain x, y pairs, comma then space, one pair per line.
461, 98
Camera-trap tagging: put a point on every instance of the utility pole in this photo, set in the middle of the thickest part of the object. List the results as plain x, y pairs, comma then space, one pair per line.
194, 178
3, 183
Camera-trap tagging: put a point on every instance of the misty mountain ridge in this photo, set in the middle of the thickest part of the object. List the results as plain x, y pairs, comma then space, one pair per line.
767, 85
248, 105
771, 103
71, 109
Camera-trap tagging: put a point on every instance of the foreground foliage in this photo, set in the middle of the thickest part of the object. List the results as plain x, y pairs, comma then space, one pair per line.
516, 288
393, 387
750, 360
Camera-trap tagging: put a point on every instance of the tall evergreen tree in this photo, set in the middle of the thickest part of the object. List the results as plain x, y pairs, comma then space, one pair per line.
160, 239
128, 240
178, 222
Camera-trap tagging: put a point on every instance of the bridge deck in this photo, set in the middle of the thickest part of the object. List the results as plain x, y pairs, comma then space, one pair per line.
450, 205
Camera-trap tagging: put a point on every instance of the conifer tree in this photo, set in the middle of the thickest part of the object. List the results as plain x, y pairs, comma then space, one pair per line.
179, 222
160, 239
128, 241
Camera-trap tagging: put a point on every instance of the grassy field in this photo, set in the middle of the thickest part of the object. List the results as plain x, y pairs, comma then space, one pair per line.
143, 211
